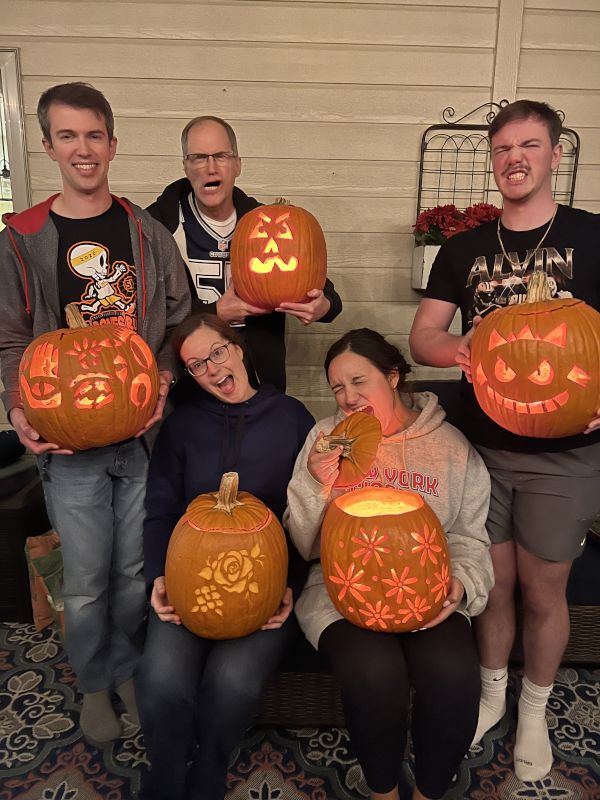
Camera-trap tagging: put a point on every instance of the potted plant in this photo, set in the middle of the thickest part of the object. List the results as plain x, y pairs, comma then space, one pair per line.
434, 225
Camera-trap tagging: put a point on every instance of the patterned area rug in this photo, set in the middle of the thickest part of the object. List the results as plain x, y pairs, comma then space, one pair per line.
43, 756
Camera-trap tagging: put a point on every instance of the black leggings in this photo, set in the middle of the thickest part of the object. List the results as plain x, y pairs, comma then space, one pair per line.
376, 671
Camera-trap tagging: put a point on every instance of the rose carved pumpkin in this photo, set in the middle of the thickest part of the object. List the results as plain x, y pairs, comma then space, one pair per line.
535, 366
278, 254
385, 559
227, 561
84, 387
359, 435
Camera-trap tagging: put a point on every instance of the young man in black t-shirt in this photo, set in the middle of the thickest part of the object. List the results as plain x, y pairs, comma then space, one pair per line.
544, 491
88, 247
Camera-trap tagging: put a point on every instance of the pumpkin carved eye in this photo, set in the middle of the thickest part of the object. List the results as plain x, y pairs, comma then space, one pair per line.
503, 372
543, 375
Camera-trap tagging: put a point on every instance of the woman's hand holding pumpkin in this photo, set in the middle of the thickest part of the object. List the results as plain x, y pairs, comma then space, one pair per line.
282, 613
312, 309
160, 602
324, 467
455, 595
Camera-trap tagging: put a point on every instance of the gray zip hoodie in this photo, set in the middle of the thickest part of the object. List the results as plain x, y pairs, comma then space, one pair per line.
430, 457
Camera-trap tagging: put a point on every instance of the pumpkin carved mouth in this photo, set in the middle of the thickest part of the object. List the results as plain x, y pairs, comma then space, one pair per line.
535, 407
262, 267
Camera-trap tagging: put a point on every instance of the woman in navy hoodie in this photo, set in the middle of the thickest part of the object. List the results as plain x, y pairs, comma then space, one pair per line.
197, 696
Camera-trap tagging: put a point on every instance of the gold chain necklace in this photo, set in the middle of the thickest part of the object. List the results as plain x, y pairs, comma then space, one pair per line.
525, 263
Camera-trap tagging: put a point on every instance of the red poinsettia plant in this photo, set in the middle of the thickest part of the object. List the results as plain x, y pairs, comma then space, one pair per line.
435, 225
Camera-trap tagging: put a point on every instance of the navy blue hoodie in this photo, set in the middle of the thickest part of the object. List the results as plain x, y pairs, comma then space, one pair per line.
204, 438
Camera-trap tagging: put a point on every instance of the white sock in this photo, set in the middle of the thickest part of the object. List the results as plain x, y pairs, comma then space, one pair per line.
492, 703
533, 754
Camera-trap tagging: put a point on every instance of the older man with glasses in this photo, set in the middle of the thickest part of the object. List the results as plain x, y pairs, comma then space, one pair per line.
202, 211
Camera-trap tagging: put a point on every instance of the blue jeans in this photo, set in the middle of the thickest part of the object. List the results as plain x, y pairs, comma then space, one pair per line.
95, 501
196, 697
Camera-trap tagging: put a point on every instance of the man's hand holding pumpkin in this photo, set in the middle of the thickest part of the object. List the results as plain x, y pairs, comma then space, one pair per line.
312, 309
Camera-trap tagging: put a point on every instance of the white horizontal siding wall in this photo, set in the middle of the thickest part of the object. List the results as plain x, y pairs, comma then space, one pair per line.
329, 101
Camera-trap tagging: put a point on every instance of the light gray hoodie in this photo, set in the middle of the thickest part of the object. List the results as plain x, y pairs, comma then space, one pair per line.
430, 457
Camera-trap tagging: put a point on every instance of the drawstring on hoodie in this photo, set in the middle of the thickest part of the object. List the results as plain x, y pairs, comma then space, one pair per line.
229, 456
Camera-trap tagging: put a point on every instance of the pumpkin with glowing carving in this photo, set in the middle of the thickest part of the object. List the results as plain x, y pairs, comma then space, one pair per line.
278, 254
85, 387
535, 365
385, 559
227, 563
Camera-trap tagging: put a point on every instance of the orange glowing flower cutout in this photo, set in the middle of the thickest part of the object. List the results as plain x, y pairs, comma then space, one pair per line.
400, 584
371, 545
349, 582
426, 545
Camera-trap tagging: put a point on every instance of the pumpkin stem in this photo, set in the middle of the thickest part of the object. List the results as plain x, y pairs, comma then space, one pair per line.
227, 495
281, 201
538, 289
327, 443
74, 316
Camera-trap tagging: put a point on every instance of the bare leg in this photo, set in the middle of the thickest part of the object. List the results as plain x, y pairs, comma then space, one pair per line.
545, 636
545, 614
495, 628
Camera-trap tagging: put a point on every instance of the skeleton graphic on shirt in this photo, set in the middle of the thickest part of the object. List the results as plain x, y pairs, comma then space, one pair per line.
91, 260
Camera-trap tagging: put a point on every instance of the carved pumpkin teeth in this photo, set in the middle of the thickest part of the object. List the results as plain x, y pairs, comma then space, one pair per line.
535, 407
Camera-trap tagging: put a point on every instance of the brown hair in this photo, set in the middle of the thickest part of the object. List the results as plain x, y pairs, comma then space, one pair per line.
375, 348
527, 109
207, 118
203, 320
76, 95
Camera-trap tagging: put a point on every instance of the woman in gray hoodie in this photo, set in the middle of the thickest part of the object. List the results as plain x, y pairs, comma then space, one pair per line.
418, 451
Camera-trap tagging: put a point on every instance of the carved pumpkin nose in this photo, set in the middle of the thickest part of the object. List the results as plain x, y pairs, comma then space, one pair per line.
271, 246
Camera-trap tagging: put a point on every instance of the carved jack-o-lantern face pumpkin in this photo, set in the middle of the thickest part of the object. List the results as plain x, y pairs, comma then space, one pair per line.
278, 254
385, 559
535, 366
226, 564
88, 387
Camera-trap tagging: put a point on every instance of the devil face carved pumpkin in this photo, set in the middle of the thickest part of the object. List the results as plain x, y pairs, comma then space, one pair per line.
226, 563
535, 366
385, 559
88, 387
278, 254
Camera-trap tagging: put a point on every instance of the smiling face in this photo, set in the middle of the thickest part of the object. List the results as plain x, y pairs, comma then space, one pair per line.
523, 159
80, 146
212, 183
358, 385
227, 381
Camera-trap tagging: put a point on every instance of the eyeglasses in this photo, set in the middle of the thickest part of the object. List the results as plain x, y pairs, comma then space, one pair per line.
201, 159
218, 356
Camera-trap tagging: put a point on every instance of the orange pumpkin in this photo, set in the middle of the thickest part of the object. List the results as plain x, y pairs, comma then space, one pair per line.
85, 387
385, 559
226, 564
535, 365
278, 254
359, 435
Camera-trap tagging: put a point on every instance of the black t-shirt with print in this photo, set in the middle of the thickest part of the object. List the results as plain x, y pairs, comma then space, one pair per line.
95, 267
471, 272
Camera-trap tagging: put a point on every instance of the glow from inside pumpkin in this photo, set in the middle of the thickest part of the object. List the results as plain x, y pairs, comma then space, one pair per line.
277, 229
378, 502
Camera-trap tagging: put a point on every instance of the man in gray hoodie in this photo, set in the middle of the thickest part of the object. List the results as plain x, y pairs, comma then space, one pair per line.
112, 260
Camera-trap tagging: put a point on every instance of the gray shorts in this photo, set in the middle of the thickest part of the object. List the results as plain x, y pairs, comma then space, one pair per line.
544, 501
